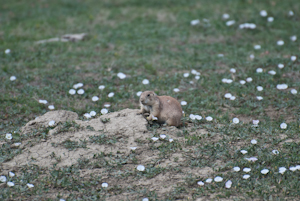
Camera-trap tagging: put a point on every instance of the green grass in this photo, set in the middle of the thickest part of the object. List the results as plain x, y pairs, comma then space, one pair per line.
154, 40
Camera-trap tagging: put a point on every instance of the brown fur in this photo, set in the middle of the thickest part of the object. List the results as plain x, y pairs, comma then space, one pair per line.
167, 109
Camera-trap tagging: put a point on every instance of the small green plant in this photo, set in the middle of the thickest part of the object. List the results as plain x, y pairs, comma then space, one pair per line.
105, 120
72, 145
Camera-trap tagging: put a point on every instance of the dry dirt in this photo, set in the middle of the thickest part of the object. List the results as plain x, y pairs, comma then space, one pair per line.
129, 130
124, 124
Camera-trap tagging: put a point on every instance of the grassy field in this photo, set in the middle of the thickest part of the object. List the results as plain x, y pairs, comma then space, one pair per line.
155, 40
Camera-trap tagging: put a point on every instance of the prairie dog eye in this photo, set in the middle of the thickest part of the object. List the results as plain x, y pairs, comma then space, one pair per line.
148, 95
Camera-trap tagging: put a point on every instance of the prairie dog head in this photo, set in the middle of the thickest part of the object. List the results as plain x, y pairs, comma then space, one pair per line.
148, 98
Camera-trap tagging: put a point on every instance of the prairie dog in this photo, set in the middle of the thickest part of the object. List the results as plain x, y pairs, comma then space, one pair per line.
166, 109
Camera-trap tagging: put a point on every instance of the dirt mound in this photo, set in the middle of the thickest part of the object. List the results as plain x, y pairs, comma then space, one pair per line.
43, 121
103, 147
59, 147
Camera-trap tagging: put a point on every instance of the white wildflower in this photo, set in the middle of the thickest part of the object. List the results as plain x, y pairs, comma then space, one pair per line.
87, 115
186, 74
104, 111
244, 151
235, 120
140, 168
270, 19
283, 125
228, 95
293, 38
145, 81
294, 91
8, 136
280, 65
236, 169
93, 113
249, 79
51, 107
282, 170
218, 179
13, 78
200, 183
232, 98
246, 176
95, 98
72, 91
11, 174
280, 42
17, 144
272, 72
30, 185
225, 16
198, 117
259, 98
259, 70
263, 13
195, 22
209, 180
228, 184
257, 47
3, 179
104, 185
209, 118
247, 169
111, 94
101, 87
183, 103
10, 184
80, 91
121, 75
162, 136
176, 90
51, 123
259, 88
192, 117
230, 23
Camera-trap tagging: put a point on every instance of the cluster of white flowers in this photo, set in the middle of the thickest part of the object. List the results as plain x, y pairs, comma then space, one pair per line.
228, 81
193, 117
90, 114
247, 26
3, 179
